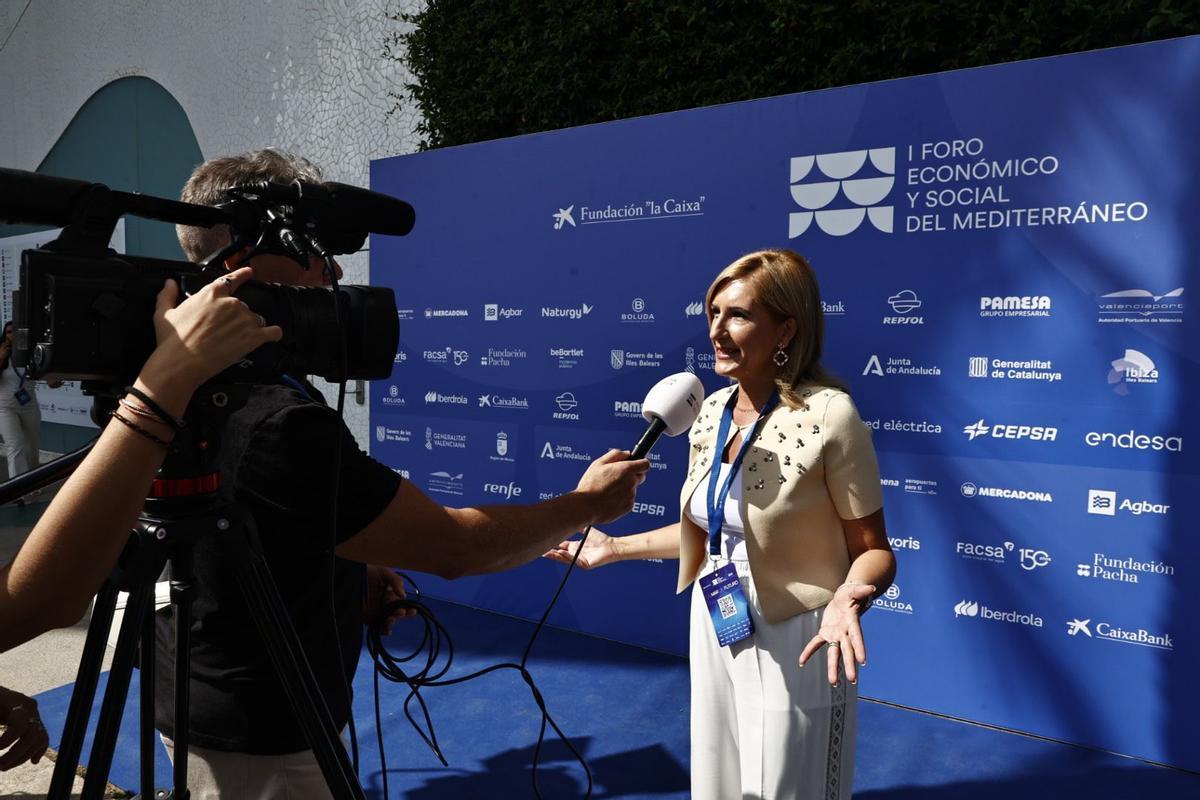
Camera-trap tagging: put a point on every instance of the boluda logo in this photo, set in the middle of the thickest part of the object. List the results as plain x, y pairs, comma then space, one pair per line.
1132, 440
1133, 367
890, 601
817, 193
1035, 433
637, 312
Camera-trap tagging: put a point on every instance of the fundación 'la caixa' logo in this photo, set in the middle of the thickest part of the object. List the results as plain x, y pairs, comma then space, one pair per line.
838, 201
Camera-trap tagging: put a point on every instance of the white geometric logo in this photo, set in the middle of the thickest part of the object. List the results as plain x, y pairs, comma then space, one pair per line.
873, 366
566, 401
491, 312
380, 433
969, 489
965, 609
547, 451
501, 443
638, 305
564, 215
618, 358
904, 301
1101, 501
976, 429
1079, 626
693, 309
978, 367
485, 401
1133, 367
393, 391
892, 592
813, 192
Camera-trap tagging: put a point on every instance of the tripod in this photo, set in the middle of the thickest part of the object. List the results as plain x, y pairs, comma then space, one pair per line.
184, 506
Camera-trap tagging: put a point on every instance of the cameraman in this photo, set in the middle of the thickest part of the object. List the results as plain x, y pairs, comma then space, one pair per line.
276, 461
72, 548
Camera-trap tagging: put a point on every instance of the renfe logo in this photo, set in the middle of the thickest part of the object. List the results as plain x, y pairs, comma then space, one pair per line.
506, 490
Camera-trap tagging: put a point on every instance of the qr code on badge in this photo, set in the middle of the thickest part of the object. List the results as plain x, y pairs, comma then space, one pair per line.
727, 607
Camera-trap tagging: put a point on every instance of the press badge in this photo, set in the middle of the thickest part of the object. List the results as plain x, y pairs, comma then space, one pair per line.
22, 396
727, 605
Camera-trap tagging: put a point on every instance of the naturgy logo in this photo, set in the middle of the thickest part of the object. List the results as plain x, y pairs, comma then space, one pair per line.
816, 192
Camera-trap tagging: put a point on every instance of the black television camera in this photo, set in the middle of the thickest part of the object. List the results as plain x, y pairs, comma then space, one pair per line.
83, 312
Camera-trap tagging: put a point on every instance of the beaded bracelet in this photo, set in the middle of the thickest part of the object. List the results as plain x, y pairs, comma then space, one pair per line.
140, 430
172, 422
140, 411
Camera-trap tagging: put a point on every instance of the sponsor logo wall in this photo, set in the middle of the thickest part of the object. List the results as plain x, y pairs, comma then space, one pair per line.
1008, 308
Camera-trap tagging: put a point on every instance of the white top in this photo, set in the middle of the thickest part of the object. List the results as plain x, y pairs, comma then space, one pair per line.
10, 381
733, 532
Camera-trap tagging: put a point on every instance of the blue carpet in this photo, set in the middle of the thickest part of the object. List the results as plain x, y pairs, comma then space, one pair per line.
626, 711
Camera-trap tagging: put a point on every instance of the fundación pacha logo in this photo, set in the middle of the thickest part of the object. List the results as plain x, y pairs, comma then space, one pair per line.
835, 199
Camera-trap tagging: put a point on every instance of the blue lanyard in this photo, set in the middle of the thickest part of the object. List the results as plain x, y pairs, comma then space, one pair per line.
716, 500
297, 385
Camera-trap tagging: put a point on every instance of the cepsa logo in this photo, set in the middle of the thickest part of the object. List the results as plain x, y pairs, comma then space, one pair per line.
1034, 433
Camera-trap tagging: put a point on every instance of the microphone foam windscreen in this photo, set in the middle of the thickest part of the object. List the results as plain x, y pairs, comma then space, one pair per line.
676, 401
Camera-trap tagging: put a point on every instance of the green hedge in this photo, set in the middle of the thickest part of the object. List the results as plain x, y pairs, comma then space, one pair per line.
486, 69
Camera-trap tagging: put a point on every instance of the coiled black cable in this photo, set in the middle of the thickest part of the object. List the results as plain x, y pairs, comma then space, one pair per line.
430, 673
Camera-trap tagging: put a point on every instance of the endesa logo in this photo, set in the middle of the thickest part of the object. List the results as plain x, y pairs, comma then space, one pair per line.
1132, 440
1034, 433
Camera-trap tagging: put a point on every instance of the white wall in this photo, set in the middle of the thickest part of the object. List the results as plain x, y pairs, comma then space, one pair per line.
301, 75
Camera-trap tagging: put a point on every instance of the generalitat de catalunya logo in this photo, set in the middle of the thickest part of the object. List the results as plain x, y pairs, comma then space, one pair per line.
835, 199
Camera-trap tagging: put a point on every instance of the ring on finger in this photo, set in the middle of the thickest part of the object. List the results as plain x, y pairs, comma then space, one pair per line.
262, 321
228, 282
834, 644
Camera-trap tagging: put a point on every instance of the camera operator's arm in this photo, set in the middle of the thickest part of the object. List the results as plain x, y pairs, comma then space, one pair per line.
74, 545
414, 532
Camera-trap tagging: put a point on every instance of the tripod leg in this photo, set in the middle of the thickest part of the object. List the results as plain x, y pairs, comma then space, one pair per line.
111, 709
75, 728
146, 661
296, 677
182, 592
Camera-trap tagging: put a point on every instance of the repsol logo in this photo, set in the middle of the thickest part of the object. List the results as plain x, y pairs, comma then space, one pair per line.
506, 490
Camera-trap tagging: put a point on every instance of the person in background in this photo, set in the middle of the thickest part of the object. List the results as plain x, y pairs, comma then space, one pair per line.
20, 415
73, 547
782, 492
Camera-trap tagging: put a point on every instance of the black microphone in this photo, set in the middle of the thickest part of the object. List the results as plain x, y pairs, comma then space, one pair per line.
340, 205
670, 407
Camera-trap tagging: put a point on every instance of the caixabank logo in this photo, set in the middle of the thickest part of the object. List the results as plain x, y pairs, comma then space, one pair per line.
840, 190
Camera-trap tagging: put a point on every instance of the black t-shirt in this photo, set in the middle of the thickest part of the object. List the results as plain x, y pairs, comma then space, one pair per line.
277, 455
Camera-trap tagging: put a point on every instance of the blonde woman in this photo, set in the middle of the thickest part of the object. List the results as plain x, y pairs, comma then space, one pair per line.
782, 491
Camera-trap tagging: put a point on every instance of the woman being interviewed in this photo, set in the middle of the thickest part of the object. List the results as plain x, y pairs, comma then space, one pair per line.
782, 490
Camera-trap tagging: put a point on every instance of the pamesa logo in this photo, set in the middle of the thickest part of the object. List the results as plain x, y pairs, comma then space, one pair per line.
816, 192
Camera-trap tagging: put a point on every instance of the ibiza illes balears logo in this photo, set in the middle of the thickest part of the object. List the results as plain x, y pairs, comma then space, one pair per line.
835, 199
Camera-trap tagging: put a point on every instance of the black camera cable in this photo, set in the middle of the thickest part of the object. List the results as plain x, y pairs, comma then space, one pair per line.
428, 673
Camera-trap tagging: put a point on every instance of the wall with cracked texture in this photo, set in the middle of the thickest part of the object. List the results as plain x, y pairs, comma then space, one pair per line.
301, 75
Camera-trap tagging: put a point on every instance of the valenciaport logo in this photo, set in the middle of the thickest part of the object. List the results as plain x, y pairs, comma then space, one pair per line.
1108, 632
970, 489
443, 482
567, 357
695, 309
1105, 503
1027, 305
502, 401
1122, 569
904, 303
1033, 433
898, 365
1013, 370
563, 452
1141, 306
566, 404
1135, 367
637, 312
434, 397
560, 312
1132, 440
890, 601
564, 216
494, 312
973, 609
442, 313
845, 189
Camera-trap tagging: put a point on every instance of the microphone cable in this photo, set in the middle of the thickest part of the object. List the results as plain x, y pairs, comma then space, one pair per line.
428, 674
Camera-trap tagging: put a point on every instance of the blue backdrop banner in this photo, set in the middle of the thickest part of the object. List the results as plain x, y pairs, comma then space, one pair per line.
1005, 255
